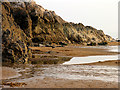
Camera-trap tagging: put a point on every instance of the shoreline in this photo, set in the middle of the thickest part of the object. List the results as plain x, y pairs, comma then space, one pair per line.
50, 82
62, 83
8, 73
105, 63
71, 51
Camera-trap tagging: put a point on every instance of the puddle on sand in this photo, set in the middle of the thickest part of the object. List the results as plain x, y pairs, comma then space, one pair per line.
26, 72
91, 59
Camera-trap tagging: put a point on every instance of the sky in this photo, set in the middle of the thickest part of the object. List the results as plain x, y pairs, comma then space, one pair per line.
100, 14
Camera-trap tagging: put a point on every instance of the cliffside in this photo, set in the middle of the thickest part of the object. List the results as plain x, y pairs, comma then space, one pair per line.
26, 23
14, 38
49, 27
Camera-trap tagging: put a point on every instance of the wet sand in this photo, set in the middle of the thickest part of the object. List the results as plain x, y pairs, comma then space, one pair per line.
113, 43
106, 63
62, 83
8, 73
73, 51
50, 82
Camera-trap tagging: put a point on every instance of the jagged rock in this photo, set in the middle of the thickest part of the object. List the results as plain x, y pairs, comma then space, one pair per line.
14, 39
24, 23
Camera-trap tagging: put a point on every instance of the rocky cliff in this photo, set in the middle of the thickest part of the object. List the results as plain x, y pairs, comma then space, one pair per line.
14, 36
24, 23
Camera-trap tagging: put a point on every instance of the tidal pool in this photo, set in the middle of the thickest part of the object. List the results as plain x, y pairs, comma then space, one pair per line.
92, 59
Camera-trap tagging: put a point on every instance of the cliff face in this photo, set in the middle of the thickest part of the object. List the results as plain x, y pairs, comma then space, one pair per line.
14, 37
27, 23
49, 27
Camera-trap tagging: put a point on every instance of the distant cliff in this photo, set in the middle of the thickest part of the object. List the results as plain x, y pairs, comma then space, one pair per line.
25, 23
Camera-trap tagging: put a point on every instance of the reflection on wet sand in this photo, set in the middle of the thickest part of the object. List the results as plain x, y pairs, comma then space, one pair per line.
58, 75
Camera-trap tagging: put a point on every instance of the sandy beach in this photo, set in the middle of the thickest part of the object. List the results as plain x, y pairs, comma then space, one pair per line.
53, 82
50, 82
73, 51
61, 83
106, 63
8, 73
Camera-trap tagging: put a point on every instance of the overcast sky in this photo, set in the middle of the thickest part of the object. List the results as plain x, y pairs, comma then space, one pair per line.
100, 14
